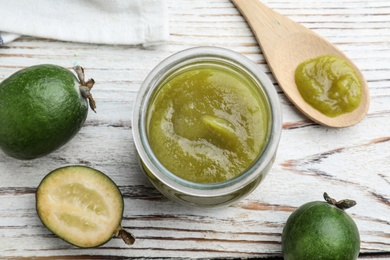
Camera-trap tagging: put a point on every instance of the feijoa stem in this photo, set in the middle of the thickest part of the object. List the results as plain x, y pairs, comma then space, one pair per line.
127, 237
85, 86
342, 204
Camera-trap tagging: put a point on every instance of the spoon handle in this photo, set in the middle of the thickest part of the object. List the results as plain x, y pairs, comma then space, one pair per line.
268, 26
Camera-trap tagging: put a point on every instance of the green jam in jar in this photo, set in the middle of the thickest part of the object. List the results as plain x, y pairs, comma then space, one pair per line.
329, 84
208, 124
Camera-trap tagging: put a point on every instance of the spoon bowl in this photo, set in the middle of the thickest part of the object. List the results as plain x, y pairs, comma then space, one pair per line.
285, 44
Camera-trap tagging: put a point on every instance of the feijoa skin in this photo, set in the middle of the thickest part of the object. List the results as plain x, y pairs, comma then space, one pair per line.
42, 107
82, 206
321, 230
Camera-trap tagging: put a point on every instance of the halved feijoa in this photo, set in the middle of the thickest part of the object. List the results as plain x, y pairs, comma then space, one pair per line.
81, 205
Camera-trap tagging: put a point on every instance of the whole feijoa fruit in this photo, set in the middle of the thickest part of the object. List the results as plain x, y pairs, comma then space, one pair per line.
42, 107
81, 205
321, 230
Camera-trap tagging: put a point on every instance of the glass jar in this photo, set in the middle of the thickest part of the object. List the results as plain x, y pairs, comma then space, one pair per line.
205, 194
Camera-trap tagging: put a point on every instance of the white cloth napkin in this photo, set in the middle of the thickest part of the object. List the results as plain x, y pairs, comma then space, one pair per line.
130, 22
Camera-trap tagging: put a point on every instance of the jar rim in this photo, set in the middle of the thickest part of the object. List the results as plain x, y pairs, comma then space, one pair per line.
141, 108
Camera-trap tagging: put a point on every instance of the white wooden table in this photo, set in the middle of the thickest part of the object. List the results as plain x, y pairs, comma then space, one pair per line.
351, 162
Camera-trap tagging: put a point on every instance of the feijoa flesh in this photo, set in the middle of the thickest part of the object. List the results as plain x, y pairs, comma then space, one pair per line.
321, 230
42, 107
81, 205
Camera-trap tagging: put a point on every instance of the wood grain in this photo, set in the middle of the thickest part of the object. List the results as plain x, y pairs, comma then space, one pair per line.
352, 162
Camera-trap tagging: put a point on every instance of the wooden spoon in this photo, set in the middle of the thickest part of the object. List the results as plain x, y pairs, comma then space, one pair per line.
285, 44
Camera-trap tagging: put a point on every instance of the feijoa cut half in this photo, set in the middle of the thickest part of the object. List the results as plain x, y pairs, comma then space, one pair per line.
81, 205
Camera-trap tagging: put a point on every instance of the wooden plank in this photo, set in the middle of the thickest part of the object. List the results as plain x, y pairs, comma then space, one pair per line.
352, 162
